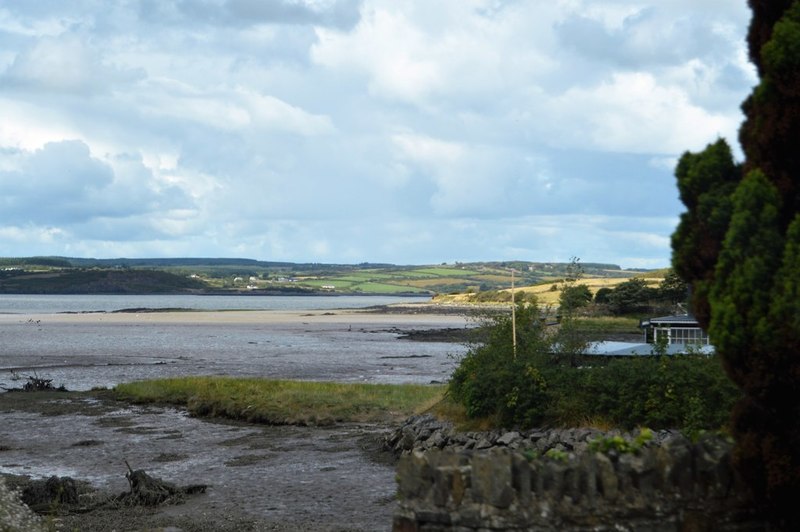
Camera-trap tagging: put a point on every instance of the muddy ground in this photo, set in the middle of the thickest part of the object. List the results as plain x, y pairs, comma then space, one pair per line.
258, 477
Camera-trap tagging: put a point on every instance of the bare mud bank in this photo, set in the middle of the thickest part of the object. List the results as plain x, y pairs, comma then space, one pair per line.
258, 477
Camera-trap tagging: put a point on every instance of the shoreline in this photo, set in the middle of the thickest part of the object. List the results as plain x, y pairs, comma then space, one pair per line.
360, 316
402, 312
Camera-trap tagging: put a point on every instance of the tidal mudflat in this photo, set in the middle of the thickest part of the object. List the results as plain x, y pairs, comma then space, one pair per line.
87, 350
259, 477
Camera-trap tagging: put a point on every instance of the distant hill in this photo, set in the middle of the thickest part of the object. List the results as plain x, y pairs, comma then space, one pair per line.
238, 275
169, 262
97, 282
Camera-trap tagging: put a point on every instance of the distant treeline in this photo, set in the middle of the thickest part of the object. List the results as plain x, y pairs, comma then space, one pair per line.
122, 262
52, 262
82, 281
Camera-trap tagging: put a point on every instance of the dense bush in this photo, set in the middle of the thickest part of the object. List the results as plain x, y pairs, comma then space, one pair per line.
689, 392
492, 380
548, 382
601, 296
574, 296
631, 296
637, 296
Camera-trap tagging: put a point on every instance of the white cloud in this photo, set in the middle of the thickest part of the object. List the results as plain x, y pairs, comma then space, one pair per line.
388, 47
271, 113
634, 113
429, 151
407, 56
63, 64
30, 127
470, 180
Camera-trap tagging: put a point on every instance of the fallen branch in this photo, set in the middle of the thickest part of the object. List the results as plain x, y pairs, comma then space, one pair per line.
150, 491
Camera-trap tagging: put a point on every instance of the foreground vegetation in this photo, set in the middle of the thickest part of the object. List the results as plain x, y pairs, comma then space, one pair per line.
738, 243
285, 402
546, 381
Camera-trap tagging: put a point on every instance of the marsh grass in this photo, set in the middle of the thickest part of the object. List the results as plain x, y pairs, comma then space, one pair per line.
284, 401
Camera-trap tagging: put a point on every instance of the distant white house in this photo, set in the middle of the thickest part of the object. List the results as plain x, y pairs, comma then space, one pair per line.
680, 329
626, 349
682, 332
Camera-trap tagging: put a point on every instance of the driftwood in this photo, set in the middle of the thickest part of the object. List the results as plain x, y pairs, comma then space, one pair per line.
34, 384
150, 491
37, 384
65, 495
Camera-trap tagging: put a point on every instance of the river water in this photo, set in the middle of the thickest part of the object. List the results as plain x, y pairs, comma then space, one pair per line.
79, 343
28, 304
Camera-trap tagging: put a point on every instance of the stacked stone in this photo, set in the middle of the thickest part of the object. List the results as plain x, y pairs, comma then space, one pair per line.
425, 432
678, 485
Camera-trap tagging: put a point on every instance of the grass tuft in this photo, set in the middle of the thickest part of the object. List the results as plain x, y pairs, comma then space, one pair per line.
280, 402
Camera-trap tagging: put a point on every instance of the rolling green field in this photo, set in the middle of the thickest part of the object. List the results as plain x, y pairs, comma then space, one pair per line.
67, 275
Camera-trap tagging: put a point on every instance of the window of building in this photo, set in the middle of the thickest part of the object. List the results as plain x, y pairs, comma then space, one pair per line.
682, 335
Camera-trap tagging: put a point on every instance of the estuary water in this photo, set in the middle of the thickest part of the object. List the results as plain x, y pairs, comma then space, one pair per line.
31, 304
79, 342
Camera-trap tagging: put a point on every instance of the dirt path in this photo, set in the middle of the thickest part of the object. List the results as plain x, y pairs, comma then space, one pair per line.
261, 478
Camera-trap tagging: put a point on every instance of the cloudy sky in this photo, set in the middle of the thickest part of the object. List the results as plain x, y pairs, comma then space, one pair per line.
403, 131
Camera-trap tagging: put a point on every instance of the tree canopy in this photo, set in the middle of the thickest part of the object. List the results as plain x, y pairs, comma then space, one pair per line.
738, 244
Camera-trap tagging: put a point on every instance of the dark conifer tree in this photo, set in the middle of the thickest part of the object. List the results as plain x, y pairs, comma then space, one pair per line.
740, 249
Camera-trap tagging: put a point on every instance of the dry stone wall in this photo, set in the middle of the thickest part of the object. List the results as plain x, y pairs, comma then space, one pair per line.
500, 481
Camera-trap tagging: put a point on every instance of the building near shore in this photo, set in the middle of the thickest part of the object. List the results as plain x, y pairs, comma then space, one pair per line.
669, 335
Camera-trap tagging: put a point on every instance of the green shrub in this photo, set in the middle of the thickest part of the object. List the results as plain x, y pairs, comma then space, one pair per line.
619, 444
548, 382
688, 392
574, 297
492, 380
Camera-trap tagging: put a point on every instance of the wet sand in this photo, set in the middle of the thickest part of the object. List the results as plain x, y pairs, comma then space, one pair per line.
416, 315
82, 351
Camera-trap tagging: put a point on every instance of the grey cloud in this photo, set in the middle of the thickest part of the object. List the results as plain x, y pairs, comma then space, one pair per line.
67, 64
129, 229
342, 14
63, 184
645, 39
59, 169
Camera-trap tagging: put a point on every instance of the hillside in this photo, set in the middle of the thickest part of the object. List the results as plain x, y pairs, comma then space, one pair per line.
546, 293
41, 275
96, 282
